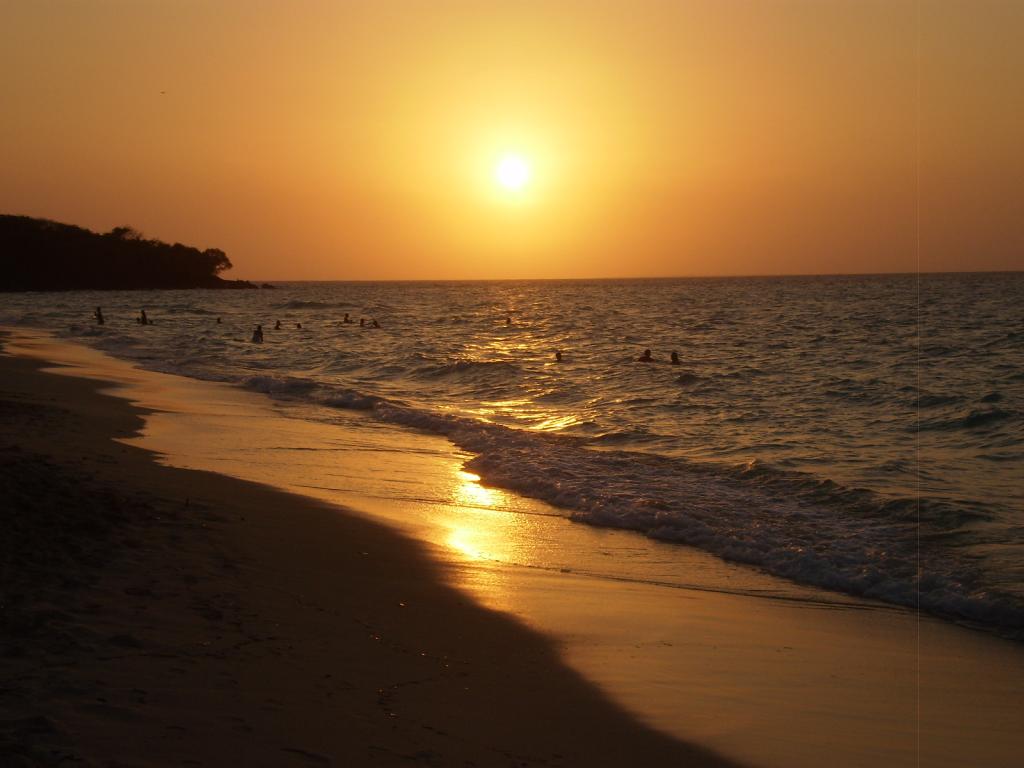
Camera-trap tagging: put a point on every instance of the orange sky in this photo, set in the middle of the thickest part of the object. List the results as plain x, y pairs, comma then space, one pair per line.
357, 140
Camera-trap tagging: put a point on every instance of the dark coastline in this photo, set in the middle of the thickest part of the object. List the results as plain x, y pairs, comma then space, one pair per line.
43, 255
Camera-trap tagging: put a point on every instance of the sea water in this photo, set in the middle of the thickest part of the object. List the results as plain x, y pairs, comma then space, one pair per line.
862, 434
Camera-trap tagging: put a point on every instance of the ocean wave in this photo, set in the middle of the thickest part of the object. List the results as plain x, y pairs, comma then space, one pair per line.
467, 367
974, 419
352, 399
791, 524
747, 372
309, 390
297, 304
1011, 337
280, 385
980, 417
853, 394
868, 549
933, 401
625, 436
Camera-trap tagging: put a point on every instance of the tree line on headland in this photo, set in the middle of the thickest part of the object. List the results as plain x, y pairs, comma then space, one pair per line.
43, 255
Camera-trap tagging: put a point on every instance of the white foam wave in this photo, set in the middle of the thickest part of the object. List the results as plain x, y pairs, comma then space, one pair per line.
790, 524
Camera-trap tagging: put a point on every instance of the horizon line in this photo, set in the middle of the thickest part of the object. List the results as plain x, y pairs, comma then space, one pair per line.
633, 277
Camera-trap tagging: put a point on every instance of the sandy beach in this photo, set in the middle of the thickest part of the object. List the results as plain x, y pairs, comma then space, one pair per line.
156, 616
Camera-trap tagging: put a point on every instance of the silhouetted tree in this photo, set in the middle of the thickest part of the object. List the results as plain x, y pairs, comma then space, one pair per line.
125, 233
43, 255
218, 260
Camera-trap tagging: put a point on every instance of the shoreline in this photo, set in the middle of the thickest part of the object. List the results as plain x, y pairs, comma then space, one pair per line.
774, 683
224, 622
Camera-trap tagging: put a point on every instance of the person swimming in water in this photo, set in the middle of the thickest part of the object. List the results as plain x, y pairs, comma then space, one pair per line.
675, 359
347, 319
558, 355
508, 320
362, 322
277, 326
257, 335
374, 323
98, 314
218, 321
645, 357
299, 326
142, 319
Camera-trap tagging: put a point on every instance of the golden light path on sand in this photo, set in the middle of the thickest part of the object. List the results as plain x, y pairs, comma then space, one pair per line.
474, 538
792, 677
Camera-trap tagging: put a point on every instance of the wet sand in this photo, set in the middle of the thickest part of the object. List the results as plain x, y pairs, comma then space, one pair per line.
160, 616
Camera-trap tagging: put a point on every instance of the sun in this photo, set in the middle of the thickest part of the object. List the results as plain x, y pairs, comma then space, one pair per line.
512, 172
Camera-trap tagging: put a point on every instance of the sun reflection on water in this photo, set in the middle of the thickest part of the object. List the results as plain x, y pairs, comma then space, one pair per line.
461, 539
473, 530
470, 493
556, 423
481, 522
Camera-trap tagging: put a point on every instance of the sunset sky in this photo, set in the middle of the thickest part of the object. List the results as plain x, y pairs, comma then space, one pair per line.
361, 140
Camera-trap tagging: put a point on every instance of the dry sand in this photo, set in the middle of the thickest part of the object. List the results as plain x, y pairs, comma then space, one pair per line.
158, 616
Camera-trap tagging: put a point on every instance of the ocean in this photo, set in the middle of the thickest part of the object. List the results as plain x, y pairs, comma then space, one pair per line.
860, 434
